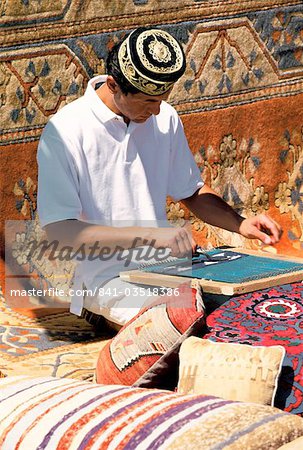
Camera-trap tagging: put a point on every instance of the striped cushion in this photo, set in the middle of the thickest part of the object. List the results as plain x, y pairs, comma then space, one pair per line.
52, 413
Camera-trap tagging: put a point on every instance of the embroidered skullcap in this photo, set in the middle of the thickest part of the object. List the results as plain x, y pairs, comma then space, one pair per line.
152, 60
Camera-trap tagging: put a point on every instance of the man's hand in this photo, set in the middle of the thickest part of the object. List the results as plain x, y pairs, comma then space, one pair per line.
212, 209
261, 227
179, 240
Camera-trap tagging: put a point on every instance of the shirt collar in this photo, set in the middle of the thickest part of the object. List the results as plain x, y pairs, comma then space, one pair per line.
99, 108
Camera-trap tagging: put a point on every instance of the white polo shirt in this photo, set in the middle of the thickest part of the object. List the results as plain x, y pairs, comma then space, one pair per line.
94, 167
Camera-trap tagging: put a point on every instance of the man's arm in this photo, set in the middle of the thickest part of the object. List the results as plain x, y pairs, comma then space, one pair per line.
76, 234
212, 209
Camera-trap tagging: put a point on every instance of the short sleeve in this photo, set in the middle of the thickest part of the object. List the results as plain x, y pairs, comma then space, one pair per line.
58, 181
185, 178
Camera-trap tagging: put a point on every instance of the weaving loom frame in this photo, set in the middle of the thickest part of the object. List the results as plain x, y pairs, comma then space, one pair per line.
219, 287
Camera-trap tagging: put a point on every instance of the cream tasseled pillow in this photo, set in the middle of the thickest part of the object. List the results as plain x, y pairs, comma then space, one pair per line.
228, 370
297, 444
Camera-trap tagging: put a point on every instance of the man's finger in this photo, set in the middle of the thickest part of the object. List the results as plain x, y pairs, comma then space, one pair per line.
271, 228
264, 237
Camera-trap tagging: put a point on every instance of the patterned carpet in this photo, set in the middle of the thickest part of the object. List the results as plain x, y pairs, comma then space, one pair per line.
268, 317
240, 98
47, 342
241, 102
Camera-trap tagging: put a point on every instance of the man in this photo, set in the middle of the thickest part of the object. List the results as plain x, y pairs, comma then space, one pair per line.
108, 160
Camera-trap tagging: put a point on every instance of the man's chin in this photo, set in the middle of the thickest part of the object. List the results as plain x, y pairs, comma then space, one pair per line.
141, 119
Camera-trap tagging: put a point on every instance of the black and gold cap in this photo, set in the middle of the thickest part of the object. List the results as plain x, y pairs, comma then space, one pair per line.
152, 60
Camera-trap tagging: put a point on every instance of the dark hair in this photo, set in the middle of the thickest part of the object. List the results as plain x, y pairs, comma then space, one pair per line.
113, 69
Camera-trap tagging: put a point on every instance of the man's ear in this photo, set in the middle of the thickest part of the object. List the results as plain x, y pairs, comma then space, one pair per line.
112, 84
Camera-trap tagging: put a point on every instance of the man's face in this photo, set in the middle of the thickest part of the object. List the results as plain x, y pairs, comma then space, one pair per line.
138, 107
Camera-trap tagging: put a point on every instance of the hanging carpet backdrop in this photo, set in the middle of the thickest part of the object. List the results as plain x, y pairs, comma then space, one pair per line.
241, 102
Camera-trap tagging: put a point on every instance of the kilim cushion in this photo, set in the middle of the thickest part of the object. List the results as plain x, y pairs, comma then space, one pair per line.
145, 351
56, 414
268, 317
294, 445
228, 370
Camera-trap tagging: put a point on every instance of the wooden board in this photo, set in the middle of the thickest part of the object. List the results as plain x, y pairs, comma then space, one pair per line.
224, 287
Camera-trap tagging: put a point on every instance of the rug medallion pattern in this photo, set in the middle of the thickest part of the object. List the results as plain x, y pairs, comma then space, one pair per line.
269, 317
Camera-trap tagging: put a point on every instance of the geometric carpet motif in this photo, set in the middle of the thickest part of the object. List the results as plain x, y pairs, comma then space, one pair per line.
54, 342
272, 316
240, 98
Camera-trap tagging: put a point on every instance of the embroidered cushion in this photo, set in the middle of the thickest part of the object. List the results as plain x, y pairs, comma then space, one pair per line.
231, 371
145, 351
297, 444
